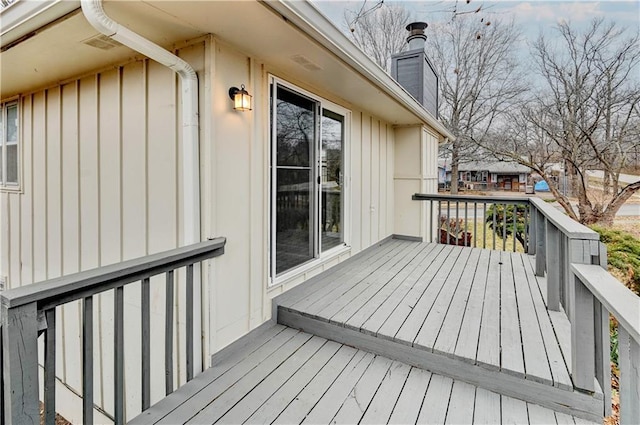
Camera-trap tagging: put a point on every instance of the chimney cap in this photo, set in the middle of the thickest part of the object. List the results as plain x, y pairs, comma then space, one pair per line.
416, 38
417, 27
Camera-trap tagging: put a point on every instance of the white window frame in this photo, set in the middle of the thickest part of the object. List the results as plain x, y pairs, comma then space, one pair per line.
4, 185
321, 257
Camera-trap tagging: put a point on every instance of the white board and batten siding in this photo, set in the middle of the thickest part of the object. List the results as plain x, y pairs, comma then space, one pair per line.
101, 183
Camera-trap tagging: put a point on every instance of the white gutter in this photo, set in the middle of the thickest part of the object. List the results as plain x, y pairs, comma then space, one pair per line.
96, 16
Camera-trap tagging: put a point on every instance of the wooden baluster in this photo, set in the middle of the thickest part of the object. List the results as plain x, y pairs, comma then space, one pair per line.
629, 362
582, 338
50, 368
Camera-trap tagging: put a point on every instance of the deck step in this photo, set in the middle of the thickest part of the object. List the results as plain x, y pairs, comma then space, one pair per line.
279, 375
564, 400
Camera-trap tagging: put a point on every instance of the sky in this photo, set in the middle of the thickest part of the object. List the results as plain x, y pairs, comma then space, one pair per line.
532, 16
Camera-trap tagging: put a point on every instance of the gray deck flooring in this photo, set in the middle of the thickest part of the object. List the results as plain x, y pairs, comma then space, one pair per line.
287, 376
480, 306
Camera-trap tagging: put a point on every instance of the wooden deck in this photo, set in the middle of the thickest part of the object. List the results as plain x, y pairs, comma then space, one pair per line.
403, 332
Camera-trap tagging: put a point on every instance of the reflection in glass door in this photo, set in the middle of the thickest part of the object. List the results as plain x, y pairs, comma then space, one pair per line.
331, 169
307, 189
294, 180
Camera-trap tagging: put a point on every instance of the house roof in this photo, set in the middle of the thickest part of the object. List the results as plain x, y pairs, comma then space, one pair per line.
45, 43
490, 166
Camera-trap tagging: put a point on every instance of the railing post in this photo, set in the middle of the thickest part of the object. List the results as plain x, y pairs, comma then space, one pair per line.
540, 243
603, 353
629, 362
20, 364
553, 267
582, 337
532, 229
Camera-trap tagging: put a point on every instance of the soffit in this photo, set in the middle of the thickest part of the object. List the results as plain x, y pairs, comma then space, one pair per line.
57, 53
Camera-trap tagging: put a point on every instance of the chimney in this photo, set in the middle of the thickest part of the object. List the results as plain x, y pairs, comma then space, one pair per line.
413, 70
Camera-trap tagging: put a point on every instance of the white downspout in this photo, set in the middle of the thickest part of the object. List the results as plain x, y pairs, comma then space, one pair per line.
96, 16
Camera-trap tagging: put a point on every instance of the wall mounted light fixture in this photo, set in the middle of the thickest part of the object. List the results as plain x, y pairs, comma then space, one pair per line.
241, 98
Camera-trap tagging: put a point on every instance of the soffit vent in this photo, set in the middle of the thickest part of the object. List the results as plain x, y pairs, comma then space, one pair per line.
306, 63
102, 42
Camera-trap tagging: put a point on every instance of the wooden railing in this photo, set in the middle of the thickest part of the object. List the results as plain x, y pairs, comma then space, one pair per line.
478, 221
30, 310
574, 262
599, 294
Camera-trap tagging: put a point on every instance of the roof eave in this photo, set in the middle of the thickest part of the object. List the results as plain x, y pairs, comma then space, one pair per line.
21, 18
307, 17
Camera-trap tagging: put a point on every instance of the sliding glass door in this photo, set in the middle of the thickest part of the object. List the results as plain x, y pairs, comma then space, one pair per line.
307, 184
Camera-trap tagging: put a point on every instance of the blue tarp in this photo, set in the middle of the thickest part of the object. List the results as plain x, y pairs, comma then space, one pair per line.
542, 186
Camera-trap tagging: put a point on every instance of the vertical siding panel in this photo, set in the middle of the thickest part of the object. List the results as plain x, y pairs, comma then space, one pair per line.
375, 179
110, 167
4, 242
382, 179
89, 169
70, 181
26, 222
54, 187
162, 151
134, 206
39, 188
356, 180
366, 181
14, 240
389, 177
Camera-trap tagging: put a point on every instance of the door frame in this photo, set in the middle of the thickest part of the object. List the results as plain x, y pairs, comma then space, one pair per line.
275, 279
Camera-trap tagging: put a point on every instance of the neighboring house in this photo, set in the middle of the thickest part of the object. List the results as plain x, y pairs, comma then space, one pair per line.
107, 155
487, 175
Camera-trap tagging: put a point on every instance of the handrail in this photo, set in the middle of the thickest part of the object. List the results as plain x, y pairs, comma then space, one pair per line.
30, 310
61, 290
563, 222
617, 298
468, 198
599, 294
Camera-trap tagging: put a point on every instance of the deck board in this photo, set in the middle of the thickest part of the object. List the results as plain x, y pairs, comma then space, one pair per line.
410, 400
510, 339
488, 353
466, 345
535, 356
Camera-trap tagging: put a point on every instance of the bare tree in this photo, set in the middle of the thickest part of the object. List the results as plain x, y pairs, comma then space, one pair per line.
379, 30
584, 115
477, 66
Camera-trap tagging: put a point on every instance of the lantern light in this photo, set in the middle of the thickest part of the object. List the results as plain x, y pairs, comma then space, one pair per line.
241, 98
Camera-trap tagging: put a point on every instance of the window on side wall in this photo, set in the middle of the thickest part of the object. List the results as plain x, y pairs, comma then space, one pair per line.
9, 149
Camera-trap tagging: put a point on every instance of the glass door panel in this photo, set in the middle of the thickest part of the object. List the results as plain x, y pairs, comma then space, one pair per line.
331, 171
295, 204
